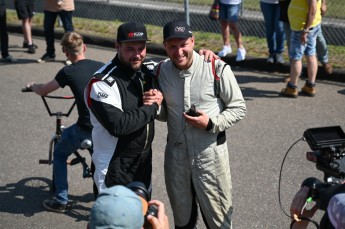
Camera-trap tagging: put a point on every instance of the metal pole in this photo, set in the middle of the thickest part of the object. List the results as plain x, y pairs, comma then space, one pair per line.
186, 10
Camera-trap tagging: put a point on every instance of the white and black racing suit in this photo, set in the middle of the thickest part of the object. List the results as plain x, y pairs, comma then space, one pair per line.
123, 128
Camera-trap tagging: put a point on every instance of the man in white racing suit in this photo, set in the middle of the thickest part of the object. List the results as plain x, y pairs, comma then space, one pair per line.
196, 163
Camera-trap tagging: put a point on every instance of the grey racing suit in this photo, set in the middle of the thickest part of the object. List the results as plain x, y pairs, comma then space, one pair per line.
196, 160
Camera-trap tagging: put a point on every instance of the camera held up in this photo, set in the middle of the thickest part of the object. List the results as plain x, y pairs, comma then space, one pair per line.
328, 145
141, 190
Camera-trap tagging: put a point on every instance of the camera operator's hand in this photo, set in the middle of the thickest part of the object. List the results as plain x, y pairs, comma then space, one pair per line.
199, 122
161, 222
298, 210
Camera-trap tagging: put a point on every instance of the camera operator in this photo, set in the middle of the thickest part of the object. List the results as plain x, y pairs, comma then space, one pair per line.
328, 153
331, 200
118, 207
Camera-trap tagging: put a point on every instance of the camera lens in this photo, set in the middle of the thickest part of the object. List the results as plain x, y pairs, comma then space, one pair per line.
140, 189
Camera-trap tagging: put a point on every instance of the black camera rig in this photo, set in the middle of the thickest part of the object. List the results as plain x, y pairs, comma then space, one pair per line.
145, 196
328, 144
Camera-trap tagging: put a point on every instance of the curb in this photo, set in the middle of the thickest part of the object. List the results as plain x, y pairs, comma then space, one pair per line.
259, 64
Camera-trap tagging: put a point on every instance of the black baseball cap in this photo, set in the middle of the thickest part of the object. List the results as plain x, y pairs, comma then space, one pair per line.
176, 29
131, 31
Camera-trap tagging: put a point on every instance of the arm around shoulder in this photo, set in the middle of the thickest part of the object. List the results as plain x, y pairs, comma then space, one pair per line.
232, 98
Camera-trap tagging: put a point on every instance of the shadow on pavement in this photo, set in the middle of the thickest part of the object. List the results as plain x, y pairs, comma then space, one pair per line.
26, 196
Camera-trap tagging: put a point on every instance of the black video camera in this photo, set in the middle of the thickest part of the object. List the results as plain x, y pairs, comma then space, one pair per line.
328, 144
140, 189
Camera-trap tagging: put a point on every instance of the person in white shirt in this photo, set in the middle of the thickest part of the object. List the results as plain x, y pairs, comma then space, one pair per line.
228, 14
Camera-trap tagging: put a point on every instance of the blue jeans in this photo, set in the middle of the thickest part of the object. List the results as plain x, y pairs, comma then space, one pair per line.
275, 35
49, 23
297, 49
321, 47
229, 12
287, 31
71, 139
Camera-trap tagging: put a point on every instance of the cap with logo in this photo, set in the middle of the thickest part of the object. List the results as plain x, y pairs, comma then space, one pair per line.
176, 29
131, 31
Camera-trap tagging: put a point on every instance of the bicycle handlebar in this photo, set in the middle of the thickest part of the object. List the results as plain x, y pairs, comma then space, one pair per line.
49, 96
26, 89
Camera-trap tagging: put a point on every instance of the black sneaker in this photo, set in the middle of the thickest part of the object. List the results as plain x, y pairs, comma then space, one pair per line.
46, 58
26, 45
54, 206
31, 49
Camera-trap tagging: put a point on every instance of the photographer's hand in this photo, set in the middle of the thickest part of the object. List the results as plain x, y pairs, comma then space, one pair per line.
297, 209
161, 222
199, 122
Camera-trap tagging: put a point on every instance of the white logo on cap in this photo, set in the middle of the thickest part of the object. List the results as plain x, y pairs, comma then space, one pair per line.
135, 34
138, 34
180, 29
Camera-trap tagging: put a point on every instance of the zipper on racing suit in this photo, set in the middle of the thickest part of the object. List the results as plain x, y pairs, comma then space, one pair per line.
148, 124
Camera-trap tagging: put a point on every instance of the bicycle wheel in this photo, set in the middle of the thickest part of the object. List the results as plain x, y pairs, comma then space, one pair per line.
37, 183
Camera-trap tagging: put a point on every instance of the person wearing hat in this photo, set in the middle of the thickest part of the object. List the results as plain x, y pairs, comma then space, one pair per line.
123, 127
196, 155
120, 208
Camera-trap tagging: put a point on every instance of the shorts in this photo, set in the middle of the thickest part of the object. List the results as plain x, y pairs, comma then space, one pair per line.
25, 9
297, 49
229, 12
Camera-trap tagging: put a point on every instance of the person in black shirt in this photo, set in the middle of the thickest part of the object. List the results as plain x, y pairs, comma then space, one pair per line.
76, 76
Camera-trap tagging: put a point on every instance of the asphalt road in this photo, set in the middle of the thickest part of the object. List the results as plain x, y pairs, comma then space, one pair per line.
257, 145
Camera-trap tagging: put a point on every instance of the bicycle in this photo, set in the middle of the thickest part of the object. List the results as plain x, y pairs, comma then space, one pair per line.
85, 144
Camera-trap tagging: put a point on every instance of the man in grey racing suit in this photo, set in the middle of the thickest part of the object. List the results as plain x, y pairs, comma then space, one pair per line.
196, 156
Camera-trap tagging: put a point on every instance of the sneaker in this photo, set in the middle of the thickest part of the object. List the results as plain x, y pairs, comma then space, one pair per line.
9, 58
46, 58
226, 50
31, 49
270, 59
327, 68
241, 54
53, 205
289, 92
308, 91
26, 45
280, 58
68, 62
